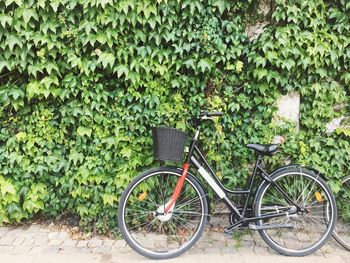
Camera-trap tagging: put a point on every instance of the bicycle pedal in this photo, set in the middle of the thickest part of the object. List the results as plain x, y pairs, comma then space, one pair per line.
229, 230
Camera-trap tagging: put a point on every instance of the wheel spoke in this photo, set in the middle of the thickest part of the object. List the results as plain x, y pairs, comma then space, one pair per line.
311, 225
151, 230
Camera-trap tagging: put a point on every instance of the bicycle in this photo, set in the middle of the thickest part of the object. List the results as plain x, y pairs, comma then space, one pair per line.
342, 230
163, 211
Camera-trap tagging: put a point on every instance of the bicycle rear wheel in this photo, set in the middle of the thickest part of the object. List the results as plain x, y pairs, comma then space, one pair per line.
141, 217
308, 229
342, 229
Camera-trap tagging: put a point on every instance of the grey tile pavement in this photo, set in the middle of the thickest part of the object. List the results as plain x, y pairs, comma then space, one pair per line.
39, 241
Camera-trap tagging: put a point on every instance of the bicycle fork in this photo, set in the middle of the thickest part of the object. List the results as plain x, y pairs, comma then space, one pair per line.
216, 188
171, 203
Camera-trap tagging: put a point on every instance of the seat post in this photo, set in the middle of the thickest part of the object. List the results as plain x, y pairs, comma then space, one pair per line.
259, 158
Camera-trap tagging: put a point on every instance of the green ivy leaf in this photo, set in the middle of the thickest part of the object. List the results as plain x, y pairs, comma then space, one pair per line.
18, 2
5, 19
29, 13
109, 199
12, 41
106, 59
6, 187
271, 56
33, 206
33, 89
84, 131
260, 73
126, 152
205, 64
222, 5
122, 70
239, 66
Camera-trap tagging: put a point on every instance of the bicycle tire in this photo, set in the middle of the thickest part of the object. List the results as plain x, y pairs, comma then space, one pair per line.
311, 228
342, 232
168, 232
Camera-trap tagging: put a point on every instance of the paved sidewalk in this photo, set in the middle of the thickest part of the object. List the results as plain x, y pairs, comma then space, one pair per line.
40, 243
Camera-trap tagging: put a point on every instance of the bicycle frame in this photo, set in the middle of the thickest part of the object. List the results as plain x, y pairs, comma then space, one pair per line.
196, 157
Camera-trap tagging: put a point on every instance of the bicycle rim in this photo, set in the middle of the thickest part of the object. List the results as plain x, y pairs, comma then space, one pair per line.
163, 236
306, 231
342, 229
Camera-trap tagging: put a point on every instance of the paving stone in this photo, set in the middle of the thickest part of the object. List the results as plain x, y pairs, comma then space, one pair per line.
69, 250
259, 250
63, 235
109, 242
318, 254
6, 249
102, 250
212, 251
258, 241
7, 240
247, 244
201, 245
121, 250
4, 230
55, 242
195, 251
21, 250
272, 251
95, 243
82, 243
33, 241
120, 243
228, 250
34, 228
45, 230
220, 237
28, 241
41, 242
217, 244
51, 250
84, 250
18, 232
53, 235
32, 235
36, 250
69, 243
18, 241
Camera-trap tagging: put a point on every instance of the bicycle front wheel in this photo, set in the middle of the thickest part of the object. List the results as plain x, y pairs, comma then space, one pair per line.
145, 226
302, 230
342, 229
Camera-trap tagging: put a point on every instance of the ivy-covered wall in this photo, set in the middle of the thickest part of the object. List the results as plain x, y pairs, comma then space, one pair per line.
82, 82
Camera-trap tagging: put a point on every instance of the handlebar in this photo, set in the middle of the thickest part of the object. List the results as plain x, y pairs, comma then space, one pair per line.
214, 113
204, 115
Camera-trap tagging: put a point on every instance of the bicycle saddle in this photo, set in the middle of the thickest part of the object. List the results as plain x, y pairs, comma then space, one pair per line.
263, 149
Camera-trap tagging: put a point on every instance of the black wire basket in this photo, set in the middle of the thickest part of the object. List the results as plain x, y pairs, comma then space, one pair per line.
168, 144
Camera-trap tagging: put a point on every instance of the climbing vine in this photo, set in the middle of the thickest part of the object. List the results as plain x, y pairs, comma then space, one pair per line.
83, 82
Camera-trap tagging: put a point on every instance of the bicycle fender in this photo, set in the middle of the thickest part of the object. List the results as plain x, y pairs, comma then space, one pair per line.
315, 171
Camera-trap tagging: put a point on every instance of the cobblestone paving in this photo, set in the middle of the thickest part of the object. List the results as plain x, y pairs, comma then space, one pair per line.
40, 240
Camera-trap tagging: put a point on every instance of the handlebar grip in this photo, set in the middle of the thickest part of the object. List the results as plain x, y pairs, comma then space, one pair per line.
214, 113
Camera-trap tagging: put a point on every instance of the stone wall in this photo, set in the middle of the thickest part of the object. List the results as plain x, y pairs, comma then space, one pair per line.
288, 105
